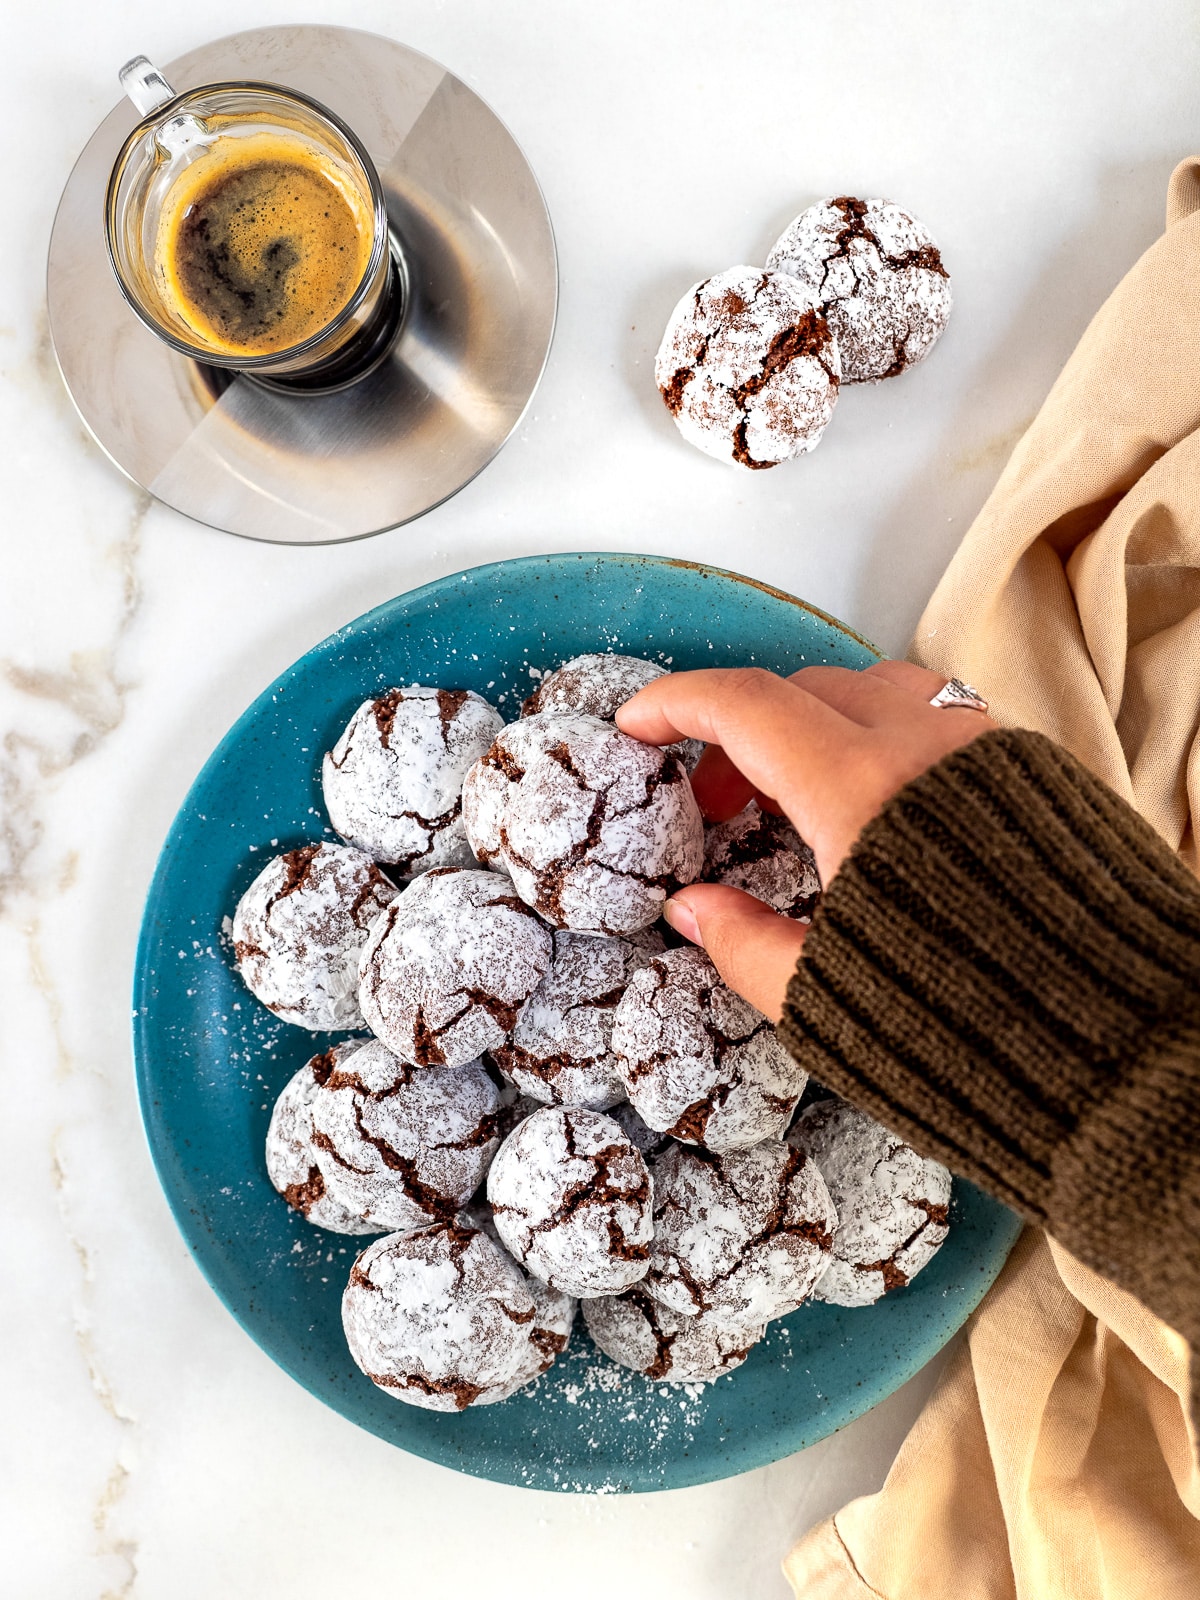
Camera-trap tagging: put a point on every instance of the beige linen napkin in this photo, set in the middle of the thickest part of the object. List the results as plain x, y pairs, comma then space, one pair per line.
1056, 1458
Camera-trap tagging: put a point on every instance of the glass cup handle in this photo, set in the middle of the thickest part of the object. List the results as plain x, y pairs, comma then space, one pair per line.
145, 85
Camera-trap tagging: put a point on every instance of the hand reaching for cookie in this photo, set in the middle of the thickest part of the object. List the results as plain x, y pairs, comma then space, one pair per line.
827, 747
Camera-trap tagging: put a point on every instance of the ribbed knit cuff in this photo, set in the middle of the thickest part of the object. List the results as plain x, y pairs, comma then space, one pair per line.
1006, 970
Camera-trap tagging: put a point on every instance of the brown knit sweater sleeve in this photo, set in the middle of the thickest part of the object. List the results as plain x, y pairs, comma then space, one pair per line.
1006, 970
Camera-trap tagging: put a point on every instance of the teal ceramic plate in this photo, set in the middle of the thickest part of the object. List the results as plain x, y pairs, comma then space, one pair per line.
210, 1059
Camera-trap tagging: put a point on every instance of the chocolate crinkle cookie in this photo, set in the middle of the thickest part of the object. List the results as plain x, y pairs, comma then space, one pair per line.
572, 1201
879, 276
554, 1312
449, 965
441, 1318
560, 1052
291, 1162
403, 1146
699, 1062
393, 782
600, 830
599, 685
893, 1205
491, 783
648, 1140
764, 855
639, 1332
300, 927
746, 1235
749, 367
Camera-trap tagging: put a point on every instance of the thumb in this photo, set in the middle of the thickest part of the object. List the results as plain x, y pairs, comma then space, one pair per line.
753, 948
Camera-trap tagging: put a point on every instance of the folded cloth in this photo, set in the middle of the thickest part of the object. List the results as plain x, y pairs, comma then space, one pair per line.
1056, 1460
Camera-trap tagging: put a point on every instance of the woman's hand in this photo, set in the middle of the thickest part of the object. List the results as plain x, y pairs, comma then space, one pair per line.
827, 747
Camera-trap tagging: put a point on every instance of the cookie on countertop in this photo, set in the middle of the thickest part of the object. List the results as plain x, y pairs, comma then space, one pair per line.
763, 854
749, 367
745, 1235
393, 781
571, 1197
639, 1332
699, 1062
441, 1318
291, 1163
560, 1052
403, 1146
300, 928
449, 965
879, 276
893, 1205
600, 829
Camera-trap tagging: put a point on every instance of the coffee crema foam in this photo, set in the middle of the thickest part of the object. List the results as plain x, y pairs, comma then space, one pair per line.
261, 243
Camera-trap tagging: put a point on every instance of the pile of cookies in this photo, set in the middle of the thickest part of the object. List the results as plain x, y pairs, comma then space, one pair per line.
547, 1100
753, 358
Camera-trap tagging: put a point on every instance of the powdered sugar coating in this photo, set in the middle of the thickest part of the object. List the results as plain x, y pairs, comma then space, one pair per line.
448, 966
641, 1333
491, 782
550, 1330
764, 855
440, 1318
746, 1235
572, 1201
698, 1061
749, 367
600, 830
403, 1146
393, 782
599, 685
879, 276
560, 1052
299, 929
892, 1204
291, 1162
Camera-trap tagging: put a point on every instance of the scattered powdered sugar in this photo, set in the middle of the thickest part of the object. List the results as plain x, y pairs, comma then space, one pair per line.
893, 1205
448, 966
560, 1051
600, 830
572, 1201
698, 1061
641, 1333
879, 276
403, 1146
291, 1162
763, 855
491, 782
299, 929
747, 1234
749, 367
393, 782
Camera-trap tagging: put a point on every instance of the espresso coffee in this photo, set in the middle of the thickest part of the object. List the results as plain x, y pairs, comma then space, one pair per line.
261, 243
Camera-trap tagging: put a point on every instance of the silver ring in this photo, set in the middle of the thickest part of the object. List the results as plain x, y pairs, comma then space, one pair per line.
958, 693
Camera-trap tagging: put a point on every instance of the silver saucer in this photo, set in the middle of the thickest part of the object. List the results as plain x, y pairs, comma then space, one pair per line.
482, 296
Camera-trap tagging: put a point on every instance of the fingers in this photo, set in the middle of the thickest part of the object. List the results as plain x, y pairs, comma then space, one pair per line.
753, 948
772, 730
916, 680
721, 790
884, 694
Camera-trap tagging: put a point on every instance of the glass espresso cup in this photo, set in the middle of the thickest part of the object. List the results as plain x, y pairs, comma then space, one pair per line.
247, 227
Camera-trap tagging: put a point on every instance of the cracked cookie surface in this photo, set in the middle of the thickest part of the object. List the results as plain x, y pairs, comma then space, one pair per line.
639, 1332
449, 965
749, 367
699, 1062
571, 1197
560, 1052
441, 1318
599, 684
763, 855
600, 829
403, 1146
554, 1312
893, 1205
393, 781
492, 781
291, 1161
879, 276
300, 927
746, 1235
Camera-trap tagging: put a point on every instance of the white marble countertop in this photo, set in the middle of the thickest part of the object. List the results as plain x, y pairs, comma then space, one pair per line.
149, 1449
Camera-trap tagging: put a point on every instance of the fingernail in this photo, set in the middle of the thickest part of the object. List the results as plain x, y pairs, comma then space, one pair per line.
683, 919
